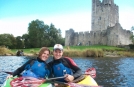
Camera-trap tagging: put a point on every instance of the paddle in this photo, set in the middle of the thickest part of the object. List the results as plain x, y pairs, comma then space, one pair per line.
30, 81
7, 72
91, 71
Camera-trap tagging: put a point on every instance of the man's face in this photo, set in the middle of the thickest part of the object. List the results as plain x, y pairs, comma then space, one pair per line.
57, 54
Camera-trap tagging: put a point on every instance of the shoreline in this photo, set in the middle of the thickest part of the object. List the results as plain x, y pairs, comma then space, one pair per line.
106, 54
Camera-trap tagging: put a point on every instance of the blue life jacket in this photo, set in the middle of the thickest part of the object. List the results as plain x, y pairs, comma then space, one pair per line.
60, 70
37, 70
29, 73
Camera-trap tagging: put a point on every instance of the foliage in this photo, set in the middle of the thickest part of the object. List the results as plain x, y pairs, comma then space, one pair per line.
36, 31
41, 34
19, 42
25, 38
132, 36
7, 40
4, 50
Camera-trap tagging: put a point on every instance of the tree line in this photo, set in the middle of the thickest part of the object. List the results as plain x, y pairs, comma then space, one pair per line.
39, 35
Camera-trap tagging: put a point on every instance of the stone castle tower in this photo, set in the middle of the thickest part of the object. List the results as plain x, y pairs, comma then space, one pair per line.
104, 14
105, 27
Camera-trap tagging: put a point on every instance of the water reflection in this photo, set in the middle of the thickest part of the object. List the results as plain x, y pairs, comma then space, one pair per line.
111, 72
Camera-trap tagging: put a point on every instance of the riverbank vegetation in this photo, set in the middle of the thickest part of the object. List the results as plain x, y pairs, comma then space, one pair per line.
79, 51
5, 51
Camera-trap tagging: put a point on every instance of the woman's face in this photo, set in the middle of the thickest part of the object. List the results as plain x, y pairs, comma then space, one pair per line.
57, 54
45, 55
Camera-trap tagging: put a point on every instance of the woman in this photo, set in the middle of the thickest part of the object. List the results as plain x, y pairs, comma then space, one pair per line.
37, 68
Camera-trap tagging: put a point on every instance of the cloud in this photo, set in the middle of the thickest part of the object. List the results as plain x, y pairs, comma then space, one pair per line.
126, 19
19, 25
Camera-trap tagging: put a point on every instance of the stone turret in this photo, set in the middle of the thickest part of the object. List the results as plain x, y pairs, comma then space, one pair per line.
104, 14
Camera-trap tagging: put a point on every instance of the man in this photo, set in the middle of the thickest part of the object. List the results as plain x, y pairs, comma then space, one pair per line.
62, 66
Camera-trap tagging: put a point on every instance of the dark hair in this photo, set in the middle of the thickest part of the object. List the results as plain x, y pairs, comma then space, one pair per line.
42, 51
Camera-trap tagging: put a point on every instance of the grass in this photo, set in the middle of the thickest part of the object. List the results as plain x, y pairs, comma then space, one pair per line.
102, 47
80, 51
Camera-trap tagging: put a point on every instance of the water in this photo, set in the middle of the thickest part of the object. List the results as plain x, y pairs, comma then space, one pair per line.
111, 72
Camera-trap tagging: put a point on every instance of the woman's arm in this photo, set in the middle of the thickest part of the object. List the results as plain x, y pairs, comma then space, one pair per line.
22, 68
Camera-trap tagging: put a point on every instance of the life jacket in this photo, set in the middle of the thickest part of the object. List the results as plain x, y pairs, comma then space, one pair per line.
63, 68
37, 70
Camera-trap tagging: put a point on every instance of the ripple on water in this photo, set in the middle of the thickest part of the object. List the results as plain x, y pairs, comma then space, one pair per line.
9, 63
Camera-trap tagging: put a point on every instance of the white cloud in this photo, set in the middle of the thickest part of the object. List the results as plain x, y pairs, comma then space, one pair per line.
19, 25
126, 18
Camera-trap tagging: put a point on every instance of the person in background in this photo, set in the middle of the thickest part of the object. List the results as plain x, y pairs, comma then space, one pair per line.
21, 53
18, 53
37, 68
62, 66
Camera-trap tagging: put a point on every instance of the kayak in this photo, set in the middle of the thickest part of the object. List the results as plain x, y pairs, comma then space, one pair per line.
35, 83
88, 80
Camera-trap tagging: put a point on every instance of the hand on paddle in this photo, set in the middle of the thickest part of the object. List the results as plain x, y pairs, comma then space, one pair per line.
9, 76
69, 78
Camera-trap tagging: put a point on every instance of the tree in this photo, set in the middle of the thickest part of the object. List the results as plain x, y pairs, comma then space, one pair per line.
41, 34
25, 38
19, 42
53, 35
7, 40
132, 36
36, 31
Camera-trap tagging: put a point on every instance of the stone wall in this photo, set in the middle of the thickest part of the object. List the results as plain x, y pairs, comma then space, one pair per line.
113, 36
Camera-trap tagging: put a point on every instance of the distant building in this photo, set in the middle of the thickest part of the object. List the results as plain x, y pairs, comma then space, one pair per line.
105, 27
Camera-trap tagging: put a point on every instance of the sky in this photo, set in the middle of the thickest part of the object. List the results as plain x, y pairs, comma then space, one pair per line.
15, 15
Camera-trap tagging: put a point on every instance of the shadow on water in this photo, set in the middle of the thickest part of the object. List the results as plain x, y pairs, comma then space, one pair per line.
111, 72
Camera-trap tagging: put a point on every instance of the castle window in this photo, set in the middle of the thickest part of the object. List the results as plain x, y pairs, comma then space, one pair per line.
100, 18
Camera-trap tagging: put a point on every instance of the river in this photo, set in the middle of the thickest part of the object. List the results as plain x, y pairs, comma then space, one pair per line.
111, 72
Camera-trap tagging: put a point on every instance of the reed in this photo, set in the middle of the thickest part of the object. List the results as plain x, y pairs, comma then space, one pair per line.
5, 51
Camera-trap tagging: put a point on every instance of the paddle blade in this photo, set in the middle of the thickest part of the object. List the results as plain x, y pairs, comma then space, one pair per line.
26, 82
11, 73
91, 72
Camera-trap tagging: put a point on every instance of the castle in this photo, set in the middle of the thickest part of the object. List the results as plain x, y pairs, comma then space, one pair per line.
105, 27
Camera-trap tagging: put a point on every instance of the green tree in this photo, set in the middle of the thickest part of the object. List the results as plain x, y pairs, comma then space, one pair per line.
25, 38
53, 35
36, 32
19, 42
7, 40
13, 41
60, 40
132, 36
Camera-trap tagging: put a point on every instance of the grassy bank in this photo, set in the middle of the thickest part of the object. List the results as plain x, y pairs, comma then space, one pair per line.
84, 51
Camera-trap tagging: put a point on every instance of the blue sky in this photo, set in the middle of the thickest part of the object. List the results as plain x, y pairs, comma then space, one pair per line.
15, 15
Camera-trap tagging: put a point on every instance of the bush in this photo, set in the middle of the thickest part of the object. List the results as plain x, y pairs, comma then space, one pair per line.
4, 51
